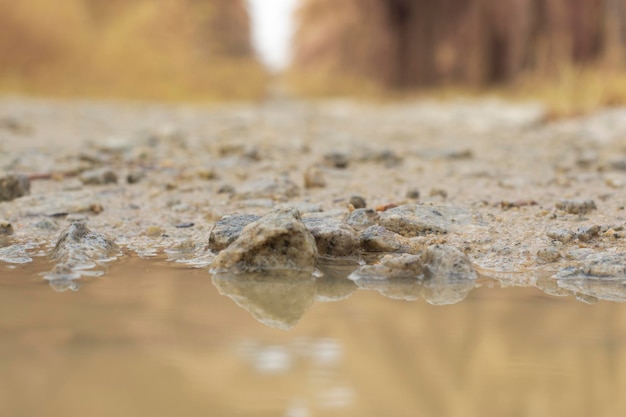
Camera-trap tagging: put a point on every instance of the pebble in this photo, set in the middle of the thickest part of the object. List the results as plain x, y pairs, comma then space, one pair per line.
561, 235
227, 229
46, 224
417, 220
79, 244
99, 176
357, 202
379, 239
586, 233
600, 277
413, 194
5, 227
576, 206
13, 186
392, 266
601, 266
153, 231
279, 240
399, 277
184, 225
548, 254
314, 177
281, 188
134, 177
441, 274
336, 160
332, 237
387, 157
360, 219
450, 275
438, 192
226, 189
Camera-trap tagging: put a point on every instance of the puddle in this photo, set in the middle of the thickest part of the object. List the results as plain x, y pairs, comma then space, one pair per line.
154, 337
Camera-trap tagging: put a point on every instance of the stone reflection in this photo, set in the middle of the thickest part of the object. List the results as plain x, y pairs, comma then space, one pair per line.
601, 277
334, 284
277, 299
440, 275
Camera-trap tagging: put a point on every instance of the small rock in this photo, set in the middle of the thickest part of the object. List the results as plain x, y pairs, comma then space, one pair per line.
548, 254
99, 176
357, 202
13, 186
602, 277
153, 231
441, 274
576, 206
134, 177
585, 234
46, 224
208, 174
96, 208
387, 157
413, 194
314, 177
392, 266
228, 228
226, 189
278, 240
77, 240
336, 160
281, 188
362, 218
561, 235
379, 239
184, 225
438, 192
416, 220
606, 266
332, 237
5, 227
602, 266
450, 275
619, 164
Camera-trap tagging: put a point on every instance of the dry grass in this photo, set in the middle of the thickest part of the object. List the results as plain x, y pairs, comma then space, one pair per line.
574, 91
162, 49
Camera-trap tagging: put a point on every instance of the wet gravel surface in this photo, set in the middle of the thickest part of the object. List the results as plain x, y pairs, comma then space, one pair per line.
528, 202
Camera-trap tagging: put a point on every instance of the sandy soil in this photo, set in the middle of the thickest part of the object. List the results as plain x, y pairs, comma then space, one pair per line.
170, 172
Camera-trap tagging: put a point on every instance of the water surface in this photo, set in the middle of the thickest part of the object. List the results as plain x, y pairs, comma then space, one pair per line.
155, 338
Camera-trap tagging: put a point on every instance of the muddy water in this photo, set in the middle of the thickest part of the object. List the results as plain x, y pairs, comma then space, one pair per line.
155, 338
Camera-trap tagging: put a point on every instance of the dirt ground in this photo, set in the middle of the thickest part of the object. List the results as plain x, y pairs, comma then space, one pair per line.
544, 198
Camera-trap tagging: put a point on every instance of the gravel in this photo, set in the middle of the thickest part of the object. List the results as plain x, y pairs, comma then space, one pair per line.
185, 165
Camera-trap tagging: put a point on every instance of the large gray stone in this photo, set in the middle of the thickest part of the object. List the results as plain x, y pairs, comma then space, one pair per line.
277, 241
228, 228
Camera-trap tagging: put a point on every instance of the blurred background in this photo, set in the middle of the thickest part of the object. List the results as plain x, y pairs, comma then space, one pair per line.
567, 53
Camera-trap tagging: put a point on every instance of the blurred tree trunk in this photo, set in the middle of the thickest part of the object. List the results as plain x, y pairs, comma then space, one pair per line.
406, 43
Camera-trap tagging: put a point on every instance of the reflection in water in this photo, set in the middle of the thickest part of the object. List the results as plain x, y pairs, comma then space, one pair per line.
156, 339
278, 299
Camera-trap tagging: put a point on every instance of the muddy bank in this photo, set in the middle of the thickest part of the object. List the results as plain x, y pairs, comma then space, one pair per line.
521, 198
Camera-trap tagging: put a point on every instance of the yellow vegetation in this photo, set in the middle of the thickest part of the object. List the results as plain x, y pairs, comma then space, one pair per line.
148, 49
